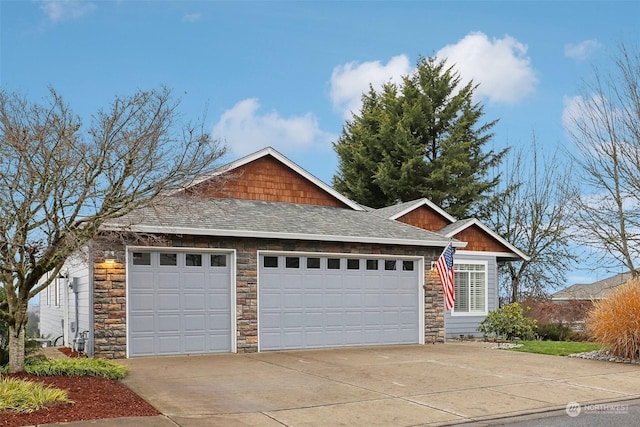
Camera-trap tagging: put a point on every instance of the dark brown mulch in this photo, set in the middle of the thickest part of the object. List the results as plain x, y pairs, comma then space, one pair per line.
93, 397
69, 352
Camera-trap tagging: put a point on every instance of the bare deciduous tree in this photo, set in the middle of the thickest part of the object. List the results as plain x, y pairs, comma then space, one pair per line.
605, 128
59, 182
535, 216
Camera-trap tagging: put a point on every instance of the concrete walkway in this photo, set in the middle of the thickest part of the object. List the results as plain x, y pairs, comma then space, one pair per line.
372, 386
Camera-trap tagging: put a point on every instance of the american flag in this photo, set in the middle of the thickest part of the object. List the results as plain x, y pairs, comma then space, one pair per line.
444, 266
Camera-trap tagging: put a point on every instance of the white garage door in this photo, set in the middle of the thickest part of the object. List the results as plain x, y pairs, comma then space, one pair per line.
178, 303
308, 301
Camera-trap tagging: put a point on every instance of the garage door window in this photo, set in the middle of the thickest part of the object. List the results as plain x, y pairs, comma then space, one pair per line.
333, 263
141, 258
292, 262
313, 263
193, 260
372, 264
353, 264
390, 264
270, 262
218, 260
168, 259
407, 265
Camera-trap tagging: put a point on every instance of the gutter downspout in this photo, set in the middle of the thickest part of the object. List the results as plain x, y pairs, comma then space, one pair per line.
65, 309
74, 288
88, 345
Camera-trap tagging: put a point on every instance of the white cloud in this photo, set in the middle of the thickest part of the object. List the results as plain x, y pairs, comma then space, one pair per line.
191, 17
245, 130
351, 80
574, 107
500, 66
581, 50
62, 10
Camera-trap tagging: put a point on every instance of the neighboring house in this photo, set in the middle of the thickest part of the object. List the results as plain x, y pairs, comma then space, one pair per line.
261, 255
575, 302
591, 292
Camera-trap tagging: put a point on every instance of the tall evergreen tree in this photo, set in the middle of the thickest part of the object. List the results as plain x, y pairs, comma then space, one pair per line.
421, 138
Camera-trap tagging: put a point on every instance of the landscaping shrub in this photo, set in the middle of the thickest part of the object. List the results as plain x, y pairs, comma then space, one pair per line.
509, 322
615, 321
554, 332
94, 367
27, 396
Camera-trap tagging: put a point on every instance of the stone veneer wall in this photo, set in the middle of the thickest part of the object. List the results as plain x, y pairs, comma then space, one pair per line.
110, 291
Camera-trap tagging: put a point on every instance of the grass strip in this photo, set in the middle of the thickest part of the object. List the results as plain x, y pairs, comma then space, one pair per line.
556, 348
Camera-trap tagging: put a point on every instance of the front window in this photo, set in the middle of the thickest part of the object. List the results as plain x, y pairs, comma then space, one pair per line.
470, 288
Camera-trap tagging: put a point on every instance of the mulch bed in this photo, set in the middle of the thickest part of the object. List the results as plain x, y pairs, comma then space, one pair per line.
93, 397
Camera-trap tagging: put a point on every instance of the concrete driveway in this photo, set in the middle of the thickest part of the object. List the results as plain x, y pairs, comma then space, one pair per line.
373, 386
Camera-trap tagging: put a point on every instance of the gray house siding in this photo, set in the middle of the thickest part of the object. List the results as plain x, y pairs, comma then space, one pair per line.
52, 311
457, 324
58, 319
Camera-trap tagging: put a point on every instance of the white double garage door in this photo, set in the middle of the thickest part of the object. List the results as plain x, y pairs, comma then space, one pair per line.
183, 302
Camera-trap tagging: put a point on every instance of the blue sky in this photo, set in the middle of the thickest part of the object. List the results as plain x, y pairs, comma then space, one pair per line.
288, 74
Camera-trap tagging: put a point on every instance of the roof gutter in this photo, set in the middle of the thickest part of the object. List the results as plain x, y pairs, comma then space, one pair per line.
282, 235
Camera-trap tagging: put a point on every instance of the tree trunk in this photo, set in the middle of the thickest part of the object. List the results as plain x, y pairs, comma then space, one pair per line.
16, 350
515, 284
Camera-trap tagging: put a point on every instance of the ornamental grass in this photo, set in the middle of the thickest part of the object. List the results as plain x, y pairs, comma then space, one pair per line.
78, 366
26, 396
614, 321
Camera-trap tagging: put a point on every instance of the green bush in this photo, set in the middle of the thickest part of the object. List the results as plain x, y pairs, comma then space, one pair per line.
27, 396
508, 322
554, 332
77, 366
615, 321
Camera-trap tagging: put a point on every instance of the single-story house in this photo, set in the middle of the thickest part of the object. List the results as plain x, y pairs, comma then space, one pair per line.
574, 303
261, 255
592, 291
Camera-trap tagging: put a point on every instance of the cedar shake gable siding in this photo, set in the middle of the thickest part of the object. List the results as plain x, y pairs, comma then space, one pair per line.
479, 240
424, 218
267, 179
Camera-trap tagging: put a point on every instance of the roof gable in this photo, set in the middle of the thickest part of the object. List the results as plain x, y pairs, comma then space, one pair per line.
481, 238
423, 217
269, 176
421, 213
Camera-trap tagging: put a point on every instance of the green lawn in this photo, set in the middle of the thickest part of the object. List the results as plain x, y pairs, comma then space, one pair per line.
557, 348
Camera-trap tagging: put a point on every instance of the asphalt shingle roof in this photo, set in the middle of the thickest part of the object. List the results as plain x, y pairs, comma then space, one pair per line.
390, 211
596, 290
285, 220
